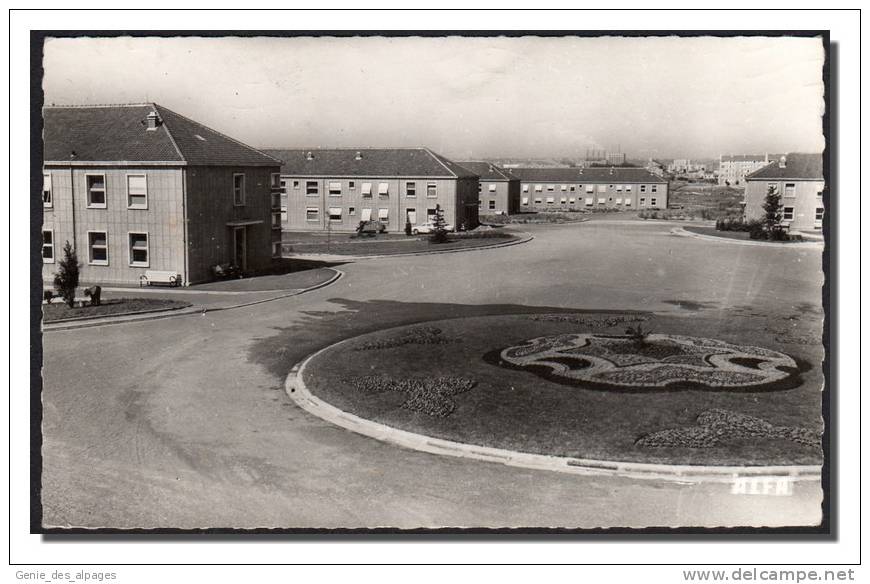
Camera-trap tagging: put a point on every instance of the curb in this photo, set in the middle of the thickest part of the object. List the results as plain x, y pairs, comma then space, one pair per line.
681, 232
298, 392
82, 323
336, 257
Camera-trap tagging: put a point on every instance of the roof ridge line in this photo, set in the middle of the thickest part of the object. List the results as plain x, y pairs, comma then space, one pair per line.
231, 139
170, 136
435, 156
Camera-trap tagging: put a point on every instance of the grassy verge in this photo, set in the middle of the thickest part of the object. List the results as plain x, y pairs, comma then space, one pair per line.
739, 235
57, 311
394, 245
439, 379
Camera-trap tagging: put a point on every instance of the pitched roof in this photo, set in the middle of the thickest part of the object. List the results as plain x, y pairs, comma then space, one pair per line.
374, 162
487, 170
118, 133
614, 174
798, 166
744, 158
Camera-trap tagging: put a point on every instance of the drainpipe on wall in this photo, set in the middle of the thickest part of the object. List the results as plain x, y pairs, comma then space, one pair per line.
186, 241
72, 190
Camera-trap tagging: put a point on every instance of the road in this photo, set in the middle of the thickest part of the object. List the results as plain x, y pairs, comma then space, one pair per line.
182, 422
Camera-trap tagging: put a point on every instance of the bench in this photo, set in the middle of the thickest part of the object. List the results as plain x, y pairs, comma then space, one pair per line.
160, 277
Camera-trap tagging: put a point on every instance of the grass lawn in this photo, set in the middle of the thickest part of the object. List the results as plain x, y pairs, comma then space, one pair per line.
525, 218
446, 379
57, 310
741, 235
385, 244
706, 201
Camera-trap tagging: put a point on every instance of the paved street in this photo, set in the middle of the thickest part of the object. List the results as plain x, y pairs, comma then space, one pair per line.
183, 422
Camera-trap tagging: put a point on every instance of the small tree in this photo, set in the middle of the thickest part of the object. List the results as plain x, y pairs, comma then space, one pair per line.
408, 229
66, 279
439, 226
772, 219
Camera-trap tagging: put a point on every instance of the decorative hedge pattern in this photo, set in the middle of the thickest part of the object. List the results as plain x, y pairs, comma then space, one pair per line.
431, 396
716, 427
588, 321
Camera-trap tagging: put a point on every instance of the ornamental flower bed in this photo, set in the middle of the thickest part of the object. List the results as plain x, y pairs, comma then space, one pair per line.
423, 335
430, 396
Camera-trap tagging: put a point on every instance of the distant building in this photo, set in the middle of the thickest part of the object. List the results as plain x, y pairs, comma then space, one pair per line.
140, 187
616, 158
799, 180
336, 189
565, 189
499, 192
680, 165
734, 168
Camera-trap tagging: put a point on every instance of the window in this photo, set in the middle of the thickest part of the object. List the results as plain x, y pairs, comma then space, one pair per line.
618, 188
788, 213
572, 200
351, 211
96, 190
628, 202
590, 188
283, 207
653, 202
137, 191
276, 180
46, 190
538, 200
539, 188
48, 247
384, 215
366, 215
654, 188
312, 214
819, 193
789, 190
525, 200
383, 189
366, 190
564, 187
551, 200
238, 190
138, 245
589, 201
525, 188
551, 188
335, 189
296, 184
820, 214
602, 200
411, 190
431, 190
351, 185
492, 187
643, 201
564, 200
602, 188
643, 188
335, 213
618, 201
411, 214
430, 213
311, 188
98, 248
492, 205
572, 188
627, 188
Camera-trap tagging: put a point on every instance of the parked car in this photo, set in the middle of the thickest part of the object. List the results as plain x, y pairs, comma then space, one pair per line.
371, 227
428, 227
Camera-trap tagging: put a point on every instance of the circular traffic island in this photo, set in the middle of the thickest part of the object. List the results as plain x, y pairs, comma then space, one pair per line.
629, 387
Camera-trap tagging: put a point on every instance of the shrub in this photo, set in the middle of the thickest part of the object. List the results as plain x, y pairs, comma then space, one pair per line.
439, 226
66, 279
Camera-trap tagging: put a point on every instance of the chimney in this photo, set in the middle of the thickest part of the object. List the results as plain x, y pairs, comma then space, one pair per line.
782, 161
73, 155
309, 155
358, 155
152, 120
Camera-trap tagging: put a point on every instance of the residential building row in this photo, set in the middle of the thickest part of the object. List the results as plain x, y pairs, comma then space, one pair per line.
799, 180
572, 189
733, 168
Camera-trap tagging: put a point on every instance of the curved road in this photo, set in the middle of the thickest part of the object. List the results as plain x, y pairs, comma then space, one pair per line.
183, 423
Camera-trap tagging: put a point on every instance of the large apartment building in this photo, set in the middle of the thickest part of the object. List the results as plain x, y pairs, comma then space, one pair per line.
571, 189
733, 168
799, 181
499, 192
140, 187
336, 189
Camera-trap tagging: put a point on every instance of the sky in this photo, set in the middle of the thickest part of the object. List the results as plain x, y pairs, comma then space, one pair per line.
665, 97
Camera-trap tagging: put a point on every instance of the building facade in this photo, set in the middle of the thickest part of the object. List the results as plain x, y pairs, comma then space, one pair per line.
575, 189
336, 189
139, 187
498, 191
733, 168
799, 181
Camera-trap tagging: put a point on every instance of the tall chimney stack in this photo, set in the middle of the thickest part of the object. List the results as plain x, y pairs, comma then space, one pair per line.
152, 120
